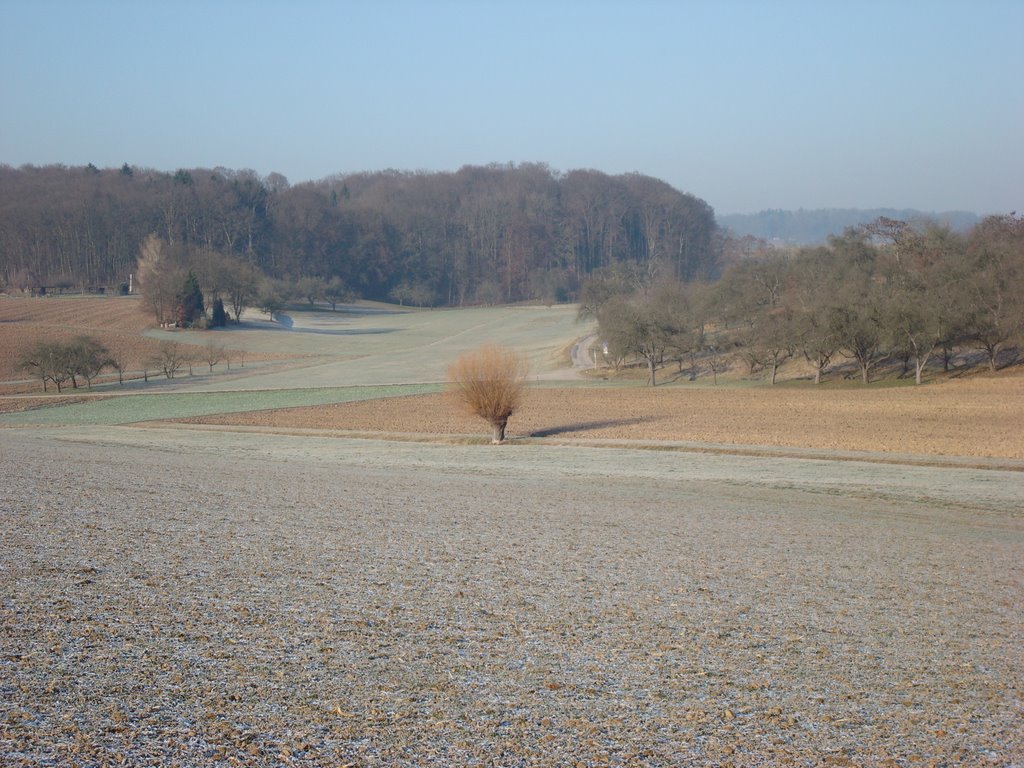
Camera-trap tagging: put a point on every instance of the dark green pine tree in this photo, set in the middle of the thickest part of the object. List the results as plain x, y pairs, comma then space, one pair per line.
190, 302
218, 317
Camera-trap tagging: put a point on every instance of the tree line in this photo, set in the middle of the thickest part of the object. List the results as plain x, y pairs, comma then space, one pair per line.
482, 234
889, 290
813, 227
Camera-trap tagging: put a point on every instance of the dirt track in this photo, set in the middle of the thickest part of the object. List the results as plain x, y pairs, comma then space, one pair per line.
975, 417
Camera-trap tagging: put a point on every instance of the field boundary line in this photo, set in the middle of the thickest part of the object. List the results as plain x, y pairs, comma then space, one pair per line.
759, 451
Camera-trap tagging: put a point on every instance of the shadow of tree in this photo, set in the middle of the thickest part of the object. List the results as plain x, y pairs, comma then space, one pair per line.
588, 425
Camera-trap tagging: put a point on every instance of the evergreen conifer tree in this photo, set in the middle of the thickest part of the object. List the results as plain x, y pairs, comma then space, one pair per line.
219, 318
190, 302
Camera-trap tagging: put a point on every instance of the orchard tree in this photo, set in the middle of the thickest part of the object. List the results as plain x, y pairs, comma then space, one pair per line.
118, 360
59, 362
312, 289
644, 326
169, 358
47, 360
811, 296
856, 318
772, 339
923, 277
213, 353
86, 357
271, 296
858, 330
335, 291
993, 292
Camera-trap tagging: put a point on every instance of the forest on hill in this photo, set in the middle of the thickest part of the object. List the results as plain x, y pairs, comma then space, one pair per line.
814, 227
482, 234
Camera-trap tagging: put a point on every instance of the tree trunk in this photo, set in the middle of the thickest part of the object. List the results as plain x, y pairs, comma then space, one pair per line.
650, 371
775, 370
865, 373
498, 432
993, 355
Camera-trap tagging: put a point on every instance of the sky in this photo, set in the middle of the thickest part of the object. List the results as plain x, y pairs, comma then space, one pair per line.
747, 105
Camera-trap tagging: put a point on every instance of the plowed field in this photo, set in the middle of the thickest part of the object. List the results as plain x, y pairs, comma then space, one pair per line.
117, 323
975, 417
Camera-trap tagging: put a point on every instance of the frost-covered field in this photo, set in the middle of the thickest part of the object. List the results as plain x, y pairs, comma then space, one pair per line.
173, 596
191, 595
389, 347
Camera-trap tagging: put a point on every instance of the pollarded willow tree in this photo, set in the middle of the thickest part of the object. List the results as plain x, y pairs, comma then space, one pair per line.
489, 382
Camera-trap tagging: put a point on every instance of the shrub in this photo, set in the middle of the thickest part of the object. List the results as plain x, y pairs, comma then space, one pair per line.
489, 382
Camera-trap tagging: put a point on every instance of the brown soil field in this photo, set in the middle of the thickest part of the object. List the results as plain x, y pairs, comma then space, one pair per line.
116, 322
17, 404
88, 313
973, 417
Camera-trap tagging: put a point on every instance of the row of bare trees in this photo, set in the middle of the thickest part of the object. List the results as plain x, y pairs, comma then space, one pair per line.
490, 234
84, 358
61, 362
887, 291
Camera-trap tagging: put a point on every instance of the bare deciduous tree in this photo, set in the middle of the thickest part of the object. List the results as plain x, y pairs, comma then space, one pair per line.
169, 358
86, 357
312, 289
213, 353
159, 279
995, 301
59, 362
46, 360
118, 360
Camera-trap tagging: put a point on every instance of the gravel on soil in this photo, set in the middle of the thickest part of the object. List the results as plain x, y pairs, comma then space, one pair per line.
169, 597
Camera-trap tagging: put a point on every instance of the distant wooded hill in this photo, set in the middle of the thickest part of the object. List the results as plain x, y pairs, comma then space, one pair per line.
497, 233
803, 227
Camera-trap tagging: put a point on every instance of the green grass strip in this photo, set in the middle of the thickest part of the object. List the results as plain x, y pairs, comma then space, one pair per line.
127, 409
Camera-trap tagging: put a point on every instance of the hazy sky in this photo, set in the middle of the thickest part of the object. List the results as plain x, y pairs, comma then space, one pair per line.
748, 105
